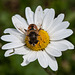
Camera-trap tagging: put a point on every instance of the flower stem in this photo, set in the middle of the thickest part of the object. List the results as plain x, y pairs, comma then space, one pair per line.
48, 71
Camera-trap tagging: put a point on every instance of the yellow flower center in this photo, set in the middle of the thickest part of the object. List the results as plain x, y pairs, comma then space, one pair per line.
43, 41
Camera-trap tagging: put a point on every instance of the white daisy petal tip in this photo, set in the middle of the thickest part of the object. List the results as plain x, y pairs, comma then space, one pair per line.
3, 47
67, 22
70, 32
39, 7
23, 64
15, 16
52, 12
69, 44
47, 9
9, 53
72, 47
1, 37
6, 55
52, 9
27, 8
62, 15
4, 38
7, 30
55, 69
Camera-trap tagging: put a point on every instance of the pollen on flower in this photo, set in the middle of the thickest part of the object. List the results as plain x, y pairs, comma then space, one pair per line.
43, 41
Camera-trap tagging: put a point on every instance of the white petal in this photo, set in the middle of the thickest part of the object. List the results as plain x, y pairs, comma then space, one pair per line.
10, 38
46, 11
25, 62
33, 56
61, 34
21, 50
69, 44
59, 18
30, 57
62, 25
56, 21
12, 31
9, 53
48, 19
59, 45
19, 23
29, 15
15, 33
42, 59
12, 45
62, 45
38, 16
53, 51
52, 63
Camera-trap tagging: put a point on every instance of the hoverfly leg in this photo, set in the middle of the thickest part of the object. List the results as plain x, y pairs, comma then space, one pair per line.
13, 51
40, 29
25, 30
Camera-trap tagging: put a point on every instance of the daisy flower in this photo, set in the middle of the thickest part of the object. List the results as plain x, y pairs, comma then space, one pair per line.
41, 37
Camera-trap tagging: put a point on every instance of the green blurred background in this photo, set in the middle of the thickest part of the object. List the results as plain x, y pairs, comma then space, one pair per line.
11, 65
